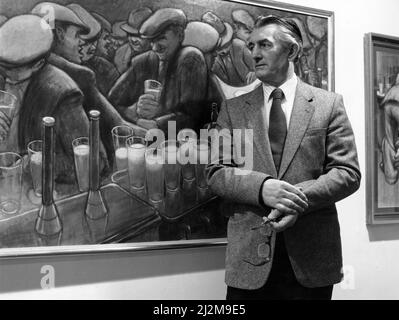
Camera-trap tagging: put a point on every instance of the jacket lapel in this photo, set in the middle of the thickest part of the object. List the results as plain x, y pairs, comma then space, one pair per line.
254, 117
302, 113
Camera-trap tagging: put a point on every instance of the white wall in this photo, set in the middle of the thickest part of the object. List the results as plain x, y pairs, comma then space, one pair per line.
370, 253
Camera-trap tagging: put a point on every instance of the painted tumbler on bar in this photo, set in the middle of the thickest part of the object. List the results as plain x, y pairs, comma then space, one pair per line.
154, 88
155, 174
48, 221
171, 166
187, 144
120, 134
81, 153
136, 148
203, 157
11, 165
35, 149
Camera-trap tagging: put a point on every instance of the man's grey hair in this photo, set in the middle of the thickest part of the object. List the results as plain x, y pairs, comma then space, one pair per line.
287, 38
289, 33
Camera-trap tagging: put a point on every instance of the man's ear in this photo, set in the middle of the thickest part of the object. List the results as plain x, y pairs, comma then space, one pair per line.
60, 32
294, 52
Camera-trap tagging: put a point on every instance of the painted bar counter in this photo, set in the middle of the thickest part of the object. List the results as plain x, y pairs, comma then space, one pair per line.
188, 214
127, 217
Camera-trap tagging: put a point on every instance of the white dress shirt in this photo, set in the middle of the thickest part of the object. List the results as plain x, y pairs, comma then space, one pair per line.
289, 89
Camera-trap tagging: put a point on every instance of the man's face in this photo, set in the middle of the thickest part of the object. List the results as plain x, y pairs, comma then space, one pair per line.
88, 49
270, 55
138, 44
106, 46
70, 44
242, 32
166, 44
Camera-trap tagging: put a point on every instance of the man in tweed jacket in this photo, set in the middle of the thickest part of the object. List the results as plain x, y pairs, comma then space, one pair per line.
297, 253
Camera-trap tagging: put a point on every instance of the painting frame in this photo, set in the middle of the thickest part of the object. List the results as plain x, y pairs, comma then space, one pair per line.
184, 244
378, 49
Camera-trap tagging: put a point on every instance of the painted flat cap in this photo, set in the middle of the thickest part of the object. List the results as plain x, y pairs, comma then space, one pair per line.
135, 20
225, 29
214, 20
59, 13
200, 35
227, 36
24, 39
243, 17
105, 24
160, 20
117, 31
3, 19
87, 19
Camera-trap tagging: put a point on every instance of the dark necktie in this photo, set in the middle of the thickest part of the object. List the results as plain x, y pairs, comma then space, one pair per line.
277, 127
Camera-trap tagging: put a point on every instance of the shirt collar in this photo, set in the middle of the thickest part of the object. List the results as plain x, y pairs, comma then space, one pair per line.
288, 88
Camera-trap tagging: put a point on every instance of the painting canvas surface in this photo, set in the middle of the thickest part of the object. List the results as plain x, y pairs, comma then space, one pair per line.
165, 65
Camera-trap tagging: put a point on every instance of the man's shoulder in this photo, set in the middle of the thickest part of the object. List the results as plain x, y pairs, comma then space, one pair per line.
190, 54
255, 94
320, 95
54, 77
147, 57
79, 73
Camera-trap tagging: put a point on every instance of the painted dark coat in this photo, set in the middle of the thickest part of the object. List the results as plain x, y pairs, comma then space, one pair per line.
185, 91
51, 92
106, 73
93, 99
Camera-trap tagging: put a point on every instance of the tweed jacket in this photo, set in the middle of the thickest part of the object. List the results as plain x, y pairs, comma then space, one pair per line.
319, 156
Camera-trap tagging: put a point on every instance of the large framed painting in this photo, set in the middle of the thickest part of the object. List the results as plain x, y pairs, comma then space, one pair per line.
100, 102
382, 103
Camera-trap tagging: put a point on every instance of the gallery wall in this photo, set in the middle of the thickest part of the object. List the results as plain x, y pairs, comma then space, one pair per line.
370, 253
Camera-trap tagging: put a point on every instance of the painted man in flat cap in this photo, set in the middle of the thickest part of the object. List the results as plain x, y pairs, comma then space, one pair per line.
83, 76
136, 44
41, 90
182, 71
106, 46
106, 73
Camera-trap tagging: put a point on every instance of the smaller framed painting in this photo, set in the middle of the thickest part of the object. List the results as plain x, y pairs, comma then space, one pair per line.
382, 124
